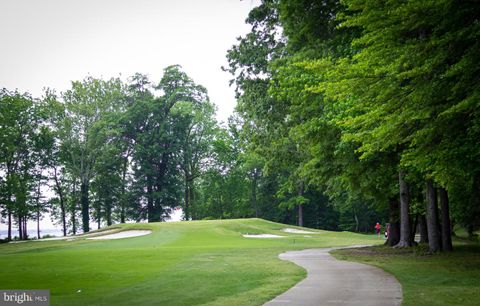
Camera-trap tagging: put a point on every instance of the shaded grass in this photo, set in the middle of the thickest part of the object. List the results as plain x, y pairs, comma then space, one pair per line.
180, 263
438, 279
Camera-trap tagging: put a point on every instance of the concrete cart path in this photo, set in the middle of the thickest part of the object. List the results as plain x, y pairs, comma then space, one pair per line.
336, 282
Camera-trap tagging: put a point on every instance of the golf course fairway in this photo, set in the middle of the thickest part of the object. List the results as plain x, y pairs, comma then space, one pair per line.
178, 263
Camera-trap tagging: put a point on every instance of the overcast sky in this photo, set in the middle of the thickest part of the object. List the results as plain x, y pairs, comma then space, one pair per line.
48, 43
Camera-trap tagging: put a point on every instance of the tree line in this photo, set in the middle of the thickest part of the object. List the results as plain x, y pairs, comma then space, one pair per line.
109, 151
372, 104
349, 112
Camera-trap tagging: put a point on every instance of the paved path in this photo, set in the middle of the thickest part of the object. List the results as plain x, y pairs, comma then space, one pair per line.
335, 282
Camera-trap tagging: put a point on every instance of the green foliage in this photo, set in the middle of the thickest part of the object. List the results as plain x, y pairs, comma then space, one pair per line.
351, 91
24, 142
113, 151
294, 126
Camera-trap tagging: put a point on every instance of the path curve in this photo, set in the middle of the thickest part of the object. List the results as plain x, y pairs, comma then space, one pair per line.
336, 282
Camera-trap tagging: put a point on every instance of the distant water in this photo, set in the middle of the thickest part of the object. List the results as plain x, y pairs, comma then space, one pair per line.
32, 233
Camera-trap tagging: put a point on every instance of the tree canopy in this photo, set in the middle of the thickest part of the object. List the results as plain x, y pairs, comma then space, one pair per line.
349, 113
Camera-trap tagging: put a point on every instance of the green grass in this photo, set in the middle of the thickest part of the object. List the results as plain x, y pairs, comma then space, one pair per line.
439, 279
180, 263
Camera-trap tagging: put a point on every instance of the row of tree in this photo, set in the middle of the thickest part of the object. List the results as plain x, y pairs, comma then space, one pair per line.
374, 104
108, 151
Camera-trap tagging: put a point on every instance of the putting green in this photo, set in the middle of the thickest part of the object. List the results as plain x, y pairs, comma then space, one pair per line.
179, 263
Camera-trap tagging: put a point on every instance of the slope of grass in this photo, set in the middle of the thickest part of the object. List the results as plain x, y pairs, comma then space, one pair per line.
180, 263
430, 280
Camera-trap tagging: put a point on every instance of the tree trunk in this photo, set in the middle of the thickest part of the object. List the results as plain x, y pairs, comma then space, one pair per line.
432, 218
394, 227
23, 228
300, 215
405, 230
254, 192
355, 217
191, 198
20, 228
300, 207
62, 201
150, 207
85, 206
186, 213
122, 207
25, 232
38, 210
422, 226
108, 210
64, 216
122, 196
158, 207
74, 208
9, 234
38, 224
446, 226
194, 200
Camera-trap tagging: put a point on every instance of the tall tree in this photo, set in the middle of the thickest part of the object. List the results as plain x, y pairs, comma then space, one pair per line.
168, 132
196, 143
397, 82
23, 143
87, 103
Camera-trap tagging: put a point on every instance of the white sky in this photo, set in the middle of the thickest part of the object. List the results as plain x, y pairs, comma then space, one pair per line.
48, 43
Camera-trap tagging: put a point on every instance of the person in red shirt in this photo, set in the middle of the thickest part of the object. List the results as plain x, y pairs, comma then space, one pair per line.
377, 228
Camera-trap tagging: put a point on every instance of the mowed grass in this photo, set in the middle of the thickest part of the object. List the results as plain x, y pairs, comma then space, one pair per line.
180, 263
430, 280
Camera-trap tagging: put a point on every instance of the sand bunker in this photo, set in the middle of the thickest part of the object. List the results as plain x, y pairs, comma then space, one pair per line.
262, 236
296, 231
124, 234
98, 233
73, 238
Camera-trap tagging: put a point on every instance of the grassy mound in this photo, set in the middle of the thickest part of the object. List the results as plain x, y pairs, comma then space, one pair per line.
179, 263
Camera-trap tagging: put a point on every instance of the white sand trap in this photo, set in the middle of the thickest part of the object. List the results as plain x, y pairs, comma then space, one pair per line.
296, 231
262, 236
124, 234
98, 233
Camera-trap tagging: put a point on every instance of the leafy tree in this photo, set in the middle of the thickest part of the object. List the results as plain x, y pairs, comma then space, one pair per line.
23, 143
224, 188
87, 104
169, 132
196, 137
